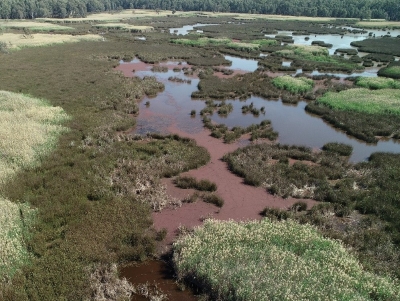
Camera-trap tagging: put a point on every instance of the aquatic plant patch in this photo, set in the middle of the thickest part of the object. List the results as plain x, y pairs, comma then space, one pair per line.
18, 41
265, 260
295, 85
385, 101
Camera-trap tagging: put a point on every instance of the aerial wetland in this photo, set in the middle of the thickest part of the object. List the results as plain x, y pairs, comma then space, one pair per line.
200, 156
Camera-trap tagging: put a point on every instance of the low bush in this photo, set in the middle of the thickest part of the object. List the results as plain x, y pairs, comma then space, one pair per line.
213, 198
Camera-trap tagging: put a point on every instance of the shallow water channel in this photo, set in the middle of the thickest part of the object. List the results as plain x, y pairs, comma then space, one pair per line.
171, 108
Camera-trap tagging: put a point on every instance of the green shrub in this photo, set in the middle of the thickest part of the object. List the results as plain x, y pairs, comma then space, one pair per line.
339, 148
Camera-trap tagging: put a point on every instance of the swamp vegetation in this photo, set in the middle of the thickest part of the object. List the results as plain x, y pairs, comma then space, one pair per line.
93, 194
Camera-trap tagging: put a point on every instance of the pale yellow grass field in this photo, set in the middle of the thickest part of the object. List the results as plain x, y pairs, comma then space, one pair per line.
17, 41
32, 25
378, 23
28, 131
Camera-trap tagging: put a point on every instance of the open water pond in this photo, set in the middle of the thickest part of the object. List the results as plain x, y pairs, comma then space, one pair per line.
172, 107
238, 63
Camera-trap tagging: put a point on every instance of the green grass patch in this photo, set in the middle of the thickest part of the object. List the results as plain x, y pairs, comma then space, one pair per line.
385, 101
274, 261
376, 83
295, 85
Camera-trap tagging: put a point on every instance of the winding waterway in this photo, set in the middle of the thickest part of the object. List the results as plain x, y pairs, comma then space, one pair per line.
293, 123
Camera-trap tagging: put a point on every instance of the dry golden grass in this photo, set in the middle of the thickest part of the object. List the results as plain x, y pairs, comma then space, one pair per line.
36, 26
17, 41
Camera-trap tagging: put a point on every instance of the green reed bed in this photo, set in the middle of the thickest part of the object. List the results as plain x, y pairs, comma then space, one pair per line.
377, 83
265, 260
385, 101
295, 85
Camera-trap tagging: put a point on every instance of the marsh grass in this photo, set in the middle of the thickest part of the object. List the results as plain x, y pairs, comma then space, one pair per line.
29, 128
295, 85
392, 70
339, 148
82, 216
376, 83
370, 187
186, 182
272, 258
213, 198
15, 220
34, 26
17, 41
125, 27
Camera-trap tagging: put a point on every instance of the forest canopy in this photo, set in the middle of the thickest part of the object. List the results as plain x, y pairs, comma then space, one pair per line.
363, 9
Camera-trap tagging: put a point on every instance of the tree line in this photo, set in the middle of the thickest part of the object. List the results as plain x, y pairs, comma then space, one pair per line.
363, 9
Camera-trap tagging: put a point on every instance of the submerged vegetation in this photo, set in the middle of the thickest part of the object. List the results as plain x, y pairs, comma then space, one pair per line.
274, 260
